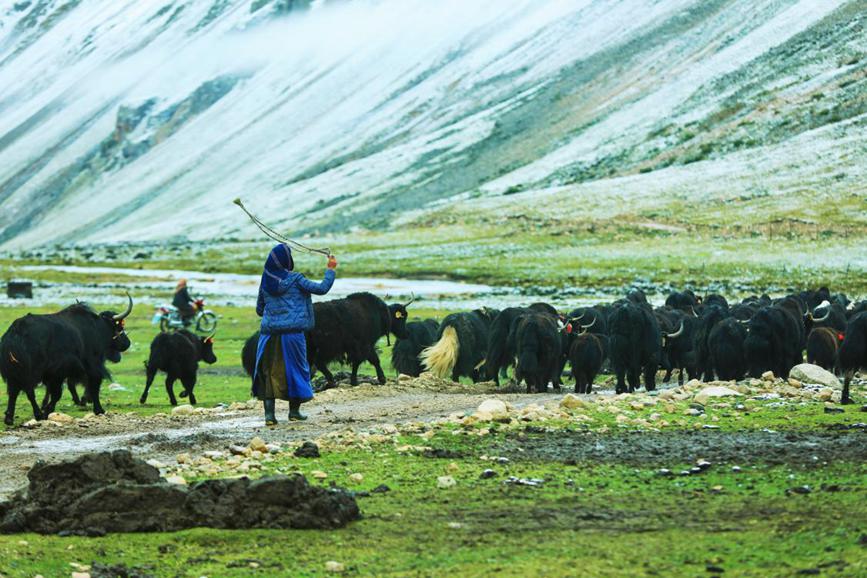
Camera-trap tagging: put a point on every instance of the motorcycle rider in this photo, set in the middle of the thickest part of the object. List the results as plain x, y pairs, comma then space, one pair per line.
183, 302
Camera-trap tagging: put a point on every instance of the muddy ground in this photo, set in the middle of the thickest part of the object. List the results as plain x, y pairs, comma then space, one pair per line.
162, 437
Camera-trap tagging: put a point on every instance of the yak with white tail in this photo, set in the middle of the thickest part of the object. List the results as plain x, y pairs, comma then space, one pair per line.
462, 342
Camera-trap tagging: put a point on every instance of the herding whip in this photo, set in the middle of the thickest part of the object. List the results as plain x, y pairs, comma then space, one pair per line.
278, 237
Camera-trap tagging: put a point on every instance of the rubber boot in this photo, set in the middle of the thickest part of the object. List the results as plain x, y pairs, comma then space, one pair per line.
270, 417
294, 411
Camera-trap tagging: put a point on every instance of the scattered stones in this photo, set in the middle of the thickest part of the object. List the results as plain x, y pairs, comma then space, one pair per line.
319, 474
664, 472
177, 480
307, 450
446, 482
769, 376
334, 567
532, 482
487, 474
829, 409
809, 373
356, 478
799, 490
693, 412
237, 450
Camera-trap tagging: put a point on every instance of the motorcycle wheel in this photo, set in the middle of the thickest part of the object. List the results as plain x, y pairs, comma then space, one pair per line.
164, 325
207, 323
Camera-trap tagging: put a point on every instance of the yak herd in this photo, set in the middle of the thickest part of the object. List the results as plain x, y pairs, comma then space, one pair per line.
701, 338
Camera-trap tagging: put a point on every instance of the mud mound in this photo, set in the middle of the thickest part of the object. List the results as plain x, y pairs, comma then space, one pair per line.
114, 492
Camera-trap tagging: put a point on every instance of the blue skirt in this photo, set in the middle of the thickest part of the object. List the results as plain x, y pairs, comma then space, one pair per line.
294, 348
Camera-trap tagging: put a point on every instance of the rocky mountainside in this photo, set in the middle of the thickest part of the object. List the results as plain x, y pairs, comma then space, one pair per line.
125, 120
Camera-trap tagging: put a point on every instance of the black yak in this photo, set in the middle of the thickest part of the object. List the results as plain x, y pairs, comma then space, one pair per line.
248, 354
853, 352
587, 354
822, 346
462, 342
70, 345
347, 330
178, 354
635, 346
726, 349
405, 355
535, 339
774, 341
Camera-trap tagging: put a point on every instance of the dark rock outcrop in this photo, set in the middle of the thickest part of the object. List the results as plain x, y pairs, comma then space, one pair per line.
115, 492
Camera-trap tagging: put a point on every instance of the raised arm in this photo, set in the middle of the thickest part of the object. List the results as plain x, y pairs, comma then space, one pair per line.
320, 288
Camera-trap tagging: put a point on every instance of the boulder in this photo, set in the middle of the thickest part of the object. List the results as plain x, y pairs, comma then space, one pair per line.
708, 393
63, 418
183, 410
809, 373
571, 401
492, 409
445, 482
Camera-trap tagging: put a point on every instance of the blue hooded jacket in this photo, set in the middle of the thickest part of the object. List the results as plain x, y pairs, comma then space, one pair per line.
284, 302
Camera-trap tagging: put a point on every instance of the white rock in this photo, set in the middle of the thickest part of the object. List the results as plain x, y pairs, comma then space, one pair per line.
571, 401
81, 575
183, 410
494, 408
319, 474
178, 480
214, 454
58, 417
809, 373
356, 478
116, 387
768, 376
445, 482
707, 393
257, 444
183, 458
334, 567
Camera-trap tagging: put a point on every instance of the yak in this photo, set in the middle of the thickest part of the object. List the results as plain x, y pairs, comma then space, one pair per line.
405, 355
70, 345
499, 356
853, 352
248, 354
635, 346
774, 341
347, 330
711, 314
587, 354
178, 354
726, 349
535, 339
822, 346
686, 301
462, 342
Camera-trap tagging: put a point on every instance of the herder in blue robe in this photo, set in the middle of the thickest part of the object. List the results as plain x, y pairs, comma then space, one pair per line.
286, 309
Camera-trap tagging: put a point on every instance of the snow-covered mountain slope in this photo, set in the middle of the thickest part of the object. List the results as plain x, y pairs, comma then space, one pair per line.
142, 120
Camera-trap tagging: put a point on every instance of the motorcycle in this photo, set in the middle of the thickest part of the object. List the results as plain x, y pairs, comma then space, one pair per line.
169, 318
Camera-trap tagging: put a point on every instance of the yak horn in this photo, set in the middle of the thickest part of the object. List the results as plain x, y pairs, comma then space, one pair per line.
411, 299
579, 318
692, 310
677, 333
126, 313
821, 319
586, 327
743, 321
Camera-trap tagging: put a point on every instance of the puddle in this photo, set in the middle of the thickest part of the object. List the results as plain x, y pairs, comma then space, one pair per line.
155, 287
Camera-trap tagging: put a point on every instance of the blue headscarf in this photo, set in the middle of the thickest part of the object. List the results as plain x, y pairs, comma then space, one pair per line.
277, 267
